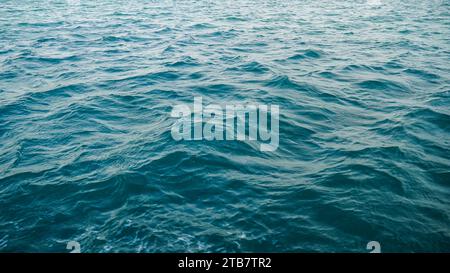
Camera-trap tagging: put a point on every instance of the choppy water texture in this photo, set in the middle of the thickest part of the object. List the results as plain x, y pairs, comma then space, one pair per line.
86, 90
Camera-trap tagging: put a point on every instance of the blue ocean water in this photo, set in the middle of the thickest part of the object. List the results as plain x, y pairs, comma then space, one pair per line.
86, 154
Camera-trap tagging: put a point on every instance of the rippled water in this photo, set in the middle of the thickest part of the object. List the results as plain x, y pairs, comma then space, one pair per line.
86, 90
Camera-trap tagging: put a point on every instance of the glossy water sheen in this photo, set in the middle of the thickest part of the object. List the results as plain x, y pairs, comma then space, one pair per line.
86, 88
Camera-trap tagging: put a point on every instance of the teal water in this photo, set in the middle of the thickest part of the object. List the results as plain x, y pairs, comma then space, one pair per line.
86, 90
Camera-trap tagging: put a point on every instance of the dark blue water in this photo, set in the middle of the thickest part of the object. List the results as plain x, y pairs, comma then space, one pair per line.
86, 154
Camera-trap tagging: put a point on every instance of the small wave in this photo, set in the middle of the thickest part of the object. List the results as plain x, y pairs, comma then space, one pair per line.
252, 67
383, 85
307, 54
184, 62
422, 74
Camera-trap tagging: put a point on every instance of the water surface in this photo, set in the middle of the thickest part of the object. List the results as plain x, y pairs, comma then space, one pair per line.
86, 90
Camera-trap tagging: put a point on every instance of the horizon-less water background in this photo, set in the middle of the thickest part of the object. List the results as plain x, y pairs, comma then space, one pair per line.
86, 90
